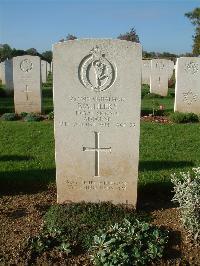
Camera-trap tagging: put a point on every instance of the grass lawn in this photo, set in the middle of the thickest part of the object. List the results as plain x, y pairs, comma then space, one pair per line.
7, 103
27, 155
27, 167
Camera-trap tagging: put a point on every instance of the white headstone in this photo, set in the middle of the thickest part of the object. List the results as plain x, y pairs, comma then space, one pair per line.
97, 90
146, 71
48, 68
27, 84
6, 75
187, 90
9, 76
159, 76
170, 69
44, 71
2, 72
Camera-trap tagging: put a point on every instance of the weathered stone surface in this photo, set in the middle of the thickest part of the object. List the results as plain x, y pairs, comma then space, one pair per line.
2, 72
27, 84
159, 76
97, 89
9, 76
170, 69
187, 90
44, 71
146, 71
6, 75
48, 68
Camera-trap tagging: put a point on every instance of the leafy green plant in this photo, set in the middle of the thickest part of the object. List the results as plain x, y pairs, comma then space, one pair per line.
187, 194
9, 117
153, 96
51, 115
178, 117
145, 90
31, 117
136, 243
2, 92
23, 114
80, 221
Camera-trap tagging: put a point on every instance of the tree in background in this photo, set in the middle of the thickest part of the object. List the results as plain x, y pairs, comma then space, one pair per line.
129, 36
47, 55
5, 52
194, 17
69, 37
32, 51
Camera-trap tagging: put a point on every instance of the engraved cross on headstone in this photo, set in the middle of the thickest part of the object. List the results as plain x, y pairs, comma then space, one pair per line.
27, 91
97, 151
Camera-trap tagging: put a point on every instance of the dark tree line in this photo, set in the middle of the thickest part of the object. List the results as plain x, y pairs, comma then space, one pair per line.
6, 52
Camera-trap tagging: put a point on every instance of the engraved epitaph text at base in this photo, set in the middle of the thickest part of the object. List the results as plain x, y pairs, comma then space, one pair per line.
97, 89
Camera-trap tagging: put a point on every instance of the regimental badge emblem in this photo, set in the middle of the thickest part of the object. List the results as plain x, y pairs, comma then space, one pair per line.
96, 71
192, 68
26, 65
190, 97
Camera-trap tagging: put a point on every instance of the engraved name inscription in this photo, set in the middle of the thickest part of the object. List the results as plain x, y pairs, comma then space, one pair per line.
97, 111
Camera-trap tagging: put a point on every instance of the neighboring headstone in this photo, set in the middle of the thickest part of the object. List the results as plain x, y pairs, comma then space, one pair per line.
146, 71
6, 75
2, 72
159, 76
9, 76
44, 71
170, 69
187, 89
97, 92
27, 84
48, 68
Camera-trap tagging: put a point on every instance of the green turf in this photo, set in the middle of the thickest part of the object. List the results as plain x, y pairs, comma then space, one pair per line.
27, 155
7, 103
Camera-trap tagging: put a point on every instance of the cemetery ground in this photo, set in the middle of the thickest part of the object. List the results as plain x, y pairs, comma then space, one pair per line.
27, 180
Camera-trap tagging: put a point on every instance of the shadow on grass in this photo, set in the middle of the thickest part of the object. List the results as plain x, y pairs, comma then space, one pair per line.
25, 182
159, 165
5, 158
155, 196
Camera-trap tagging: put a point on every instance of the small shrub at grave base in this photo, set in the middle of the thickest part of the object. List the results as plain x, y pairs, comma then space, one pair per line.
9, 117
145, 91
31, 117
81, 221
178, 117
51, 115
136, 243
187, 194
152, 96
23, 114
2, 92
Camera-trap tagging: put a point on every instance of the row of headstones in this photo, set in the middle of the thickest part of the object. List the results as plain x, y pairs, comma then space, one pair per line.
157, 73
23, 75
97, 101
